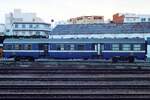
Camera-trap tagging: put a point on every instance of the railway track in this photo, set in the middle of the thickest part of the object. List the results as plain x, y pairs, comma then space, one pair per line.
86, 96
70, 70
73, 82
67, 87
95, 63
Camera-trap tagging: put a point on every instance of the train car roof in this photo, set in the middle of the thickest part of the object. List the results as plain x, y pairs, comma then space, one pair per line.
79, 40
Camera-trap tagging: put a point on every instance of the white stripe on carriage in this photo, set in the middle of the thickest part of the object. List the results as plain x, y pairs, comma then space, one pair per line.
23, 50
72, 51
124, 51
49, 51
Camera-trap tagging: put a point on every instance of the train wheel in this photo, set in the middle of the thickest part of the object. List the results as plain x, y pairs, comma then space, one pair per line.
31, 59
131, 59
17, 59
114, 60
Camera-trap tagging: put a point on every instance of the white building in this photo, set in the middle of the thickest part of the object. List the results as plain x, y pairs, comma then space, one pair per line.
25, 24
130, 18
2, 29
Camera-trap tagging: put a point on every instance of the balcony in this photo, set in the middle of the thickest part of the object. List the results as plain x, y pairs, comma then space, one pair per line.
31, 27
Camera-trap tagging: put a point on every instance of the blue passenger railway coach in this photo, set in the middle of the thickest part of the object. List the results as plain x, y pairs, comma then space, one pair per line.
106, 48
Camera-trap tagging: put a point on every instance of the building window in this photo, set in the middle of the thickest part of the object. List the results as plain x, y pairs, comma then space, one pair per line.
143, 19
80, 47
16, 33
115, 47
37, 26
126, 47
30, 26
7, 30
37, 33
31, 32
46, 26
136, 47
23, 26
16, 25
23, 33
149, 19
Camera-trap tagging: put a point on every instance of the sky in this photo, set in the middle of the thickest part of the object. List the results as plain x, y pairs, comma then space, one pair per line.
65, 9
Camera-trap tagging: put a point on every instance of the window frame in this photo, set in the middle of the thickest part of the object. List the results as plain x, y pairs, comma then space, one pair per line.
136, 48
8, 47
81, 47
16, 25
23, 26
115, 47
125, 48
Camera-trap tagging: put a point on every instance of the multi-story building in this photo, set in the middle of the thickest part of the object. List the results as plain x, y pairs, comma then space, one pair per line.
86, 20
2, 29
130, 18
25, 24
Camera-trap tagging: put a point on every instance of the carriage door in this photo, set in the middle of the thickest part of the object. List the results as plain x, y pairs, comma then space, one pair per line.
99, 48
45, 49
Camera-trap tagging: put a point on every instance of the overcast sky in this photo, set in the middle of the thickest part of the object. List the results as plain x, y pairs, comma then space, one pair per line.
64, 9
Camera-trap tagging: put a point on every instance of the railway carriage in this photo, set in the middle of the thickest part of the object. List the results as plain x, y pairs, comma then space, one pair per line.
125, 49
148, 48
72, 49
49, 48
83, 48
23, 48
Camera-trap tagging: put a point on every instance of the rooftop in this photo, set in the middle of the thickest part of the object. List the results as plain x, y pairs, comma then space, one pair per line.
104, 28
80, 40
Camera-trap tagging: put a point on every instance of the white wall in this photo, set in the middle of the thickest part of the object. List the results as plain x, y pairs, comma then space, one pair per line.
18, 16
135, 18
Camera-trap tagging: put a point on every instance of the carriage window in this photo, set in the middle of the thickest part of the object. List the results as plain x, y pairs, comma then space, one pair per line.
28, 47
58, 47
62, 47
93, 47
80, 47
41, 46
8, 47
67, 47
72, 47
136, 47
115, 47
126, 47
18, 47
